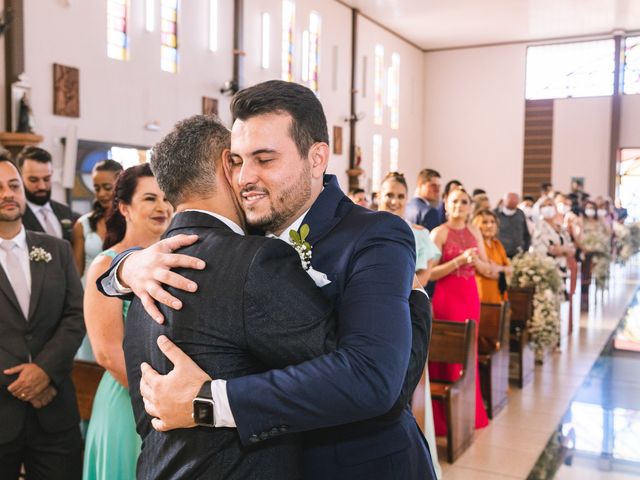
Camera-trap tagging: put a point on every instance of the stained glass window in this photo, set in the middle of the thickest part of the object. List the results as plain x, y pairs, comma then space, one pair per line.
394, 152
378, 85
315, 22
117, 38
376, 167
583, 69
632, 65
169, 35
393, 93
288, 23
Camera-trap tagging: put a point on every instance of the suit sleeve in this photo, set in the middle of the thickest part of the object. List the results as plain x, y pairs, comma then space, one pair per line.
527, 235
106, 282
56, 357
364, 376
293, 325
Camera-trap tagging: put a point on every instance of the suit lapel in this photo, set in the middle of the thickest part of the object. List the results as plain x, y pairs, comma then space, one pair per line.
7, 289
324, 214
30, 221
37, 273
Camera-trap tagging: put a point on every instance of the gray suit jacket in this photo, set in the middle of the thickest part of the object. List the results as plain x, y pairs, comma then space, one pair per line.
49, 338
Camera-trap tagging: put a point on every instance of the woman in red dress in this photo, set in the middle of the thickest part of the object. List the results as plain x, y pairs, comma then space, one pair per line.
456, 297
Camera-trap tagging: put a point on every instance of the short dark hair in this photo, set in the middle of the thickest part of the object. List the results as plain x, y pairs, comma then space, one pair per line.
426, 174
478, 191
545, 186
308, 122
33, 153
528, 198
184, 161
6, 155
451, 185
125, 188
355, 191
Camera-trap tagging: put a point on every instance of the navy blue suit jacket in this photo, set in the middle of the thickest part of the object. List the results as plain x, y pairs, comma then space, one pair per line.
369, 257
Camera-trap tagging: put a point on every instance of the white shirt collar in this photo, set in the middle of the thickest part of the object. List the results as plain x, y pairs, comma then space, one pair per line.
285, 233
232, 225
20, 239
36, 208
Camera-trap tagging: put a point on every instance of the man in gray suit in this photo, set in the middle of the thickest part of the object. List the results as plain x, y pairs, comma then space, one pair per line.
41, 327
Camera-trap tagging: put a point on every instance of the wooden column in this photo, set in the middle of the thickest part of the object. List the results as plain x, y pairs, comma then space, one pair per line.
616, 115
354, 171
538, 142
238, 45
13, 50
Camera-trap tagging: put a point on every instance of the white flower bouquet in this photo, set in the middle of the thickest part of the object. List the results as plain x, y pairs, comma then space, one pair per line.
531, 269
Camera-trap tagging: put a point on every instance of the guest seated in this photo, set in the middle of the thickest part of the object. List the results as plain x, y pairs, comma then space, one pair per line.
492, 287
140, 215
550, 238
456, 296
393, 199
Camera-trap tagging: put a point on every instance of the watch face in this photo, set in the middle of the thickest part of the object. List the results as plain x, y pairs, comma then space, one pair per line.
203, 412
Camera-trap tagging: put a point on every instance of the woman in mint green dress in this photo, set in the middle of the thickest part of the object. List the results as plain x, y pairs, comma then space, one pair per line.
394, 194
139, 217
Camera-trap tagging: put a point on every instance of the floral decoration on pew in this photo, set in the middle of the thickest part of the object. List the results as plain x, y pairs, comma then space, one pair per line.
598, 243
533, 270
626, 241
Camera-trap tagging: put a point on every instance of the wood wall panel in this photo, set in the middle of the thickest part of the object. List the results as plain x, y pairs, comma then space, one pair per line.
538, 143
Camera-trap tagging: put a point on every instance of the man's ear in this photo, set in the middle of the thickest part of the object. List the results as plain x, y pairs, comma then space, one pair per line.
224, 159
319, 158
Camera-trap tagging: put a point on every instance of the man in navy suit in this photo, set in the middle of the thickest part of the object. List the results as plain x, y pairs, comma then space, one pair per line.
350, 402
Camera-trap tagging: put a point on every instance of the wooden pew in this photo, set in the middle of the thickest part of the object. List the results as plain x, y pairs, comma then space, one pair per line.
522, 358
585, 281
493, 355
455, 342
86, 377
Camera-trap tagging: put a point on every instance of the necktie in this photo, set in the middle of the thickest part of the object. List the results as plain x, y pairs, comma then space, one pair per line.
16, 276
48, 226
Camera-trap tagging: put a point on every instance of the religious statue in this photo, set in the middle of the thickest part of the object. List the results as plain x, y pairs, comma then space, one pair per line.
26, 123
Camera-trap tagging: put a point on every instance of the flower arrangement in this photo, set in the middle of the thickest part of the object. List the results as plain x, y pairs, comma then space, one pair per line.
598, 243
626, 241
299, 242
531, 269
39, 254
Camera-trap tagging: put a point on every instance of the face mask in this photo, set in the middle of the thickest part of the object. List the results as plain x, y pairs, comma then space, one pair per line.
548, 211
508, 211
563, 208
590, 212
602, 213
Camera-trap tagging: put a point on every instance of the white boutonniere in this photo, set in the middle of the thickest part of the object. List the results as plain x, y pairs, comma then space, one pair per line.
39, 254
304, 249
66, 223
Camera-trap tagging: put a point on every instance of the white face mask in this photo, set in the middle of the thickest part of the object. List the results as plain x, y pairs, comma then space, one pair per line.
590, 212
563, 208
602, 213
508, 211
548, 212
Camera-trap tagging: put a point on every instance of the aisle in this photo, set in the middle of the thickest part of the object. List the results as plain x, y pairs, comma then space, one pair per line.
510, 446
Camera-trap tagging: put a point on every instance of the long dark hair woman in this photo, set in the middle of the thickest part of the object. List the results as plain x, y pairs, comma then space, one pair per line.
90, 229
139, 216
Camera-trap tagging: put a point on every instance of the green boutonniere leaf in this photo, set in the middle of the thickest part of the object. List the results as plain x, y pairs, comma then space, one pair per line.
295, 236
304, 232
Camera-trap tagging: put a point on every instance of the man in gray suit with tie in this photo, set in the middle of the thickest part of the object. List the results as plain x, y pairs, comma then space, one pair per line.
41, 327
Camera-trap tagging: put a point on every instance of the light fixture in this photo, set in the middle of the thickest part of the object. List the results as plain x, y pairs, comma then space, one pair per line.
213, 25
266, 37
150, 15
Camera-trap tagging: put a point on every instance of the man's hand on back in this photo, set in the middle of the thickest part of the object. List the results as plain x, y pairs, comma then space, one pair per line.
168, 398
145, 272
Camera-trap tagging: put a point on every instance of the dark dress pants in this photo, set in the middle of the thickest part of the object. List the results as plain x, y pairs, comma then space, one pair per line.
45, 456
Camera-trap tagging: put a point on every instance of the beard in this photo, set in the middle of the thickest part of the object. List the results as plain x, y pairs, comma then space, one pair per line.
11, 217
40, 198
284, 204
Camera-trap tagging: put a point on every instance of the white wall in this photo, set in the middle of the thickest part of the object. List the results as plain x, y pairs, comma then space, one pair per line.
334, 76
474, 117
581, 132
410, 130
118, 98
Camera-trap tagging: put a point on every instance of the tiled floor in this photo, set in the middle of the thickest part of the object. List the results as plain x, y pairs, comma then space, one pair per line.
510, 446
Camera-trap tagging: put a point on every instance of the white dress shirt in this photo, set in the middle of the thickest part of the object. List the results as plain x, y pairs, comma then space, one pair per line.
53, 219
22, 250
